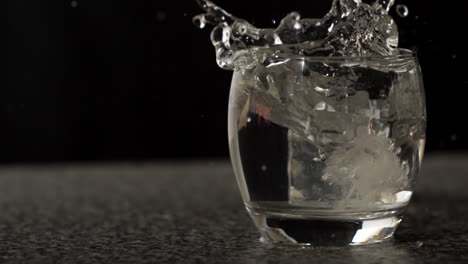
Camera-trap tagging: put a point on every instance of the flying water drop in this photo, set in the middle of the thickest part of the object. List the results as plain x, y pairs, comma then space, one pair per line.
402, 10
199, 21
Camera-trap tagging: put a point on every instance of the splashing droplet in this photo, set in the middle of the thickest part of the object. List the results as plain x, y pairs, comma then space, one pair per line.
402, 10
199, 21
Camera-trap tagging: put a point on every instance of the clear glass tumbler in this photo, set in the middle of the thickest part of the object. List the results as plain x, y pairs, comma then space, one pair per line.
326, 149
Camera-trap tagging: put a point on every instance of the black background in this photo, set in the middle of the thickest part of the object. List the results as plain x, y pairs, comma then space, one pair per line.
132, 80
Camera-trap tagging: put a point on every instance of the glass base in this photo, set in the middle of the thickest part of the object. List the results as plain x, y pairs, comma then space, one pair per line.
324, 231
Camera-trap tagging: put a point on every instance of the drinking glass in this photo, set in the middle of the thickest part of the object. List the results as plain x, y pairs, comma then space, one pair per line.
326, 149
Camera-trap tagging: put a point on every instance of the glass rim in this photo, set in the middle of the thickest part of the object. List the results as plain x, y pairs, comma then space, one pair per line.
403, 54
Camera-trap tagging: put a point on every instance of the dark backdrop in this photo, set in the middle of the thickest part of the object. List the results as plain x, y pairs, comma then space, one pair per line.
127, 79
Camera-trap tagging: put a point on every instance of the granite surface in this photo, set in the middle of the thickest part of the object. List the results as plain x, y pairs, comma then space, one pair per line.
191, 212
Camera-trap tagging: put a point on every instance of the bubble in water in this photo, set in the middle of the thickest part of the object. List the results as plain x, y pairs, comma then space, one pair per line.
402, 10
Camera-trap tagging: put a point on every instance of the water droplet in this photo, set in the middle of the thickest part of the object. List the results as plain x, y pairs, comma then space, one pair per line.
241, 28
199, 21
453, 137
74, 3
402, 10
273, 21
264, 168
249, 120
161, 16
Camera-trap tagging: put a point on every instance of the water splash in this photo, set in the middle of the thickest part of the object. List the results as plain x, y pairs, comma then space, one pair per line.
351, 28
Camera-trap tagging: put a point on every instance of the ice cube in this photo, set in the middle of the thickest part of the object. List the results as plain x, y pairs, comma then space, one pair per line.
366, 169
305, 168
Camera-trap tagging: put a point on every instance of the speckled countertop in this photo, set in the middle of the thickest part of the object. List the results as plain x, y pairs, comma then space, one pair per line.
191, 212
